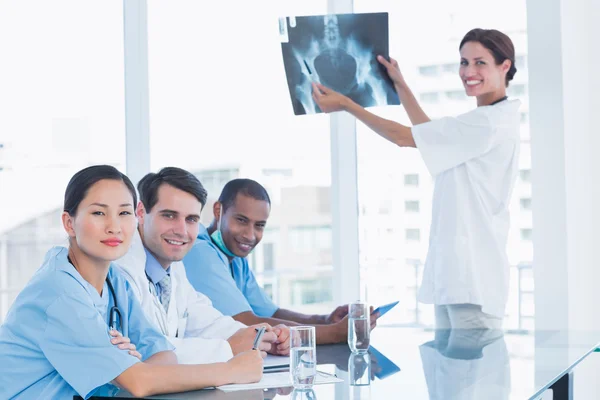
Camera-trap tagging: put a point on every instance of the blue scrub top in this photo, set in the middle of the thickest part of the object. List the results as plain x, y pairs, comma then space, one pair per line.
210, 273
55, 343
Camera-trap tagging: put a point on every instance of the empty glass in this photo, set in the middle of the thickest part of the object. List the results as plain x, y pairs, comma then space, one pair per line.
303, 356
359, 327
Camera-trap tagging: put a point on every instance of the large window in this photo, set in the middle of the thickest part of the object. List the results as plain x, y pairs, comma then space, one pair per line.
427, 51
306, 239
62, 102
219, 107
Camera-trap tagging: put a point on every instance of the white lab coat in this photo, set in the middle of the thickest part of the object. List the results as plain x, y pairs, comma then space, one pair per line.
206, 329
474, 160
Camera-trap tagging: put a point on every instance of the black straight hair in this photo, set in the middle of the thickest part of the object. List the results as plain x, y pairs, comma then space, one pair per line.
246, 187
178, 178
82, 181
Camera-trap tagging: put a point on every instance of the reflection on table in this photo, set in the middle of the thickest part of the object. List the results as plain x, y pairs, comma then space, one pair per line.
452, 364
466, 364
304, 394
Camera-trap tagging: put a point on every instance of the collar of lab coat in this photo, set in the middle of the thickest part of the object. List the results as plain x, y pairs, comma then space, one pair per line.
133, 265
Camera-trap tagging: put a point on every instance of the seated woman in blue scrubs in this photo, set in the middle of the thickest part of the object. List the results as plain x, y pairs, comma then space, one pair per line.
56, 341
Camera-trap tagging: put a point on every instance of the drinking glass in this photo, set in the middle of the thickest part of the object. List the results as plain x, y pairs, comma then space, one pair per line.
359, 327
359, 375
303, 356
359, 369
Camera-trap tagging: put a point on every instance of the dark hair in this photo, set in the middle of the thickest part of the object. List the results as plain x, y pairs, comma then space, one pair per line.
497, 43
246, 187
82, 181
178, 178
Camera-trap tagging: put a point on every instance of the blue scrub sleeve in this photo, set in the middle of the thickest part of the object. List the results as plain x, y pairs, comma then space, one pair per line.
148, 341
77, 344
448, 142
260, 302
211, 276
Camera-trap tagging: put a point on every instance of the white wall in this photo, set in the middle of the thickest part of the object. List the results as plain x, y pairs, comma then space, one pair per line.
564, 81
564, 85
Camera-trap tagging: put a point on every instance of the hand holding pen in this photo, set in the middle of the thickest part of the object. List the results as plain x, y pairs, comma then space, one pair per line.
258, 338
243, 340
279, 346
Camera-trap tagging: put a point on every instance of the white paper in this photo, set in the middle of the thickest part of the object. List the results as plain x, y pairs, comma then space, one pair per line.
272, 361
278, 379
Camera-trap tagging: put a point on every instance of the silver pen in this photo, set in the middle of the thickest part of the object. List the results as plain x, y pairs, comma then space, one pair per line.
259, 333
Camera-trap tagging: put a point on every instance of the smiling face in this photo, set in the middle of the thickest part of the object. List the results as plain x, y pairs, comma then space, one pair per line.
169, 230
243, 223
104, 222
479, 72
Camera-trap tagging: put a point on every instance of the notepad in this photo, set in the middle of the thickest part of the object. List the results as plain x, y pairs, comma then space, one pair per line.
277, 380
276, 363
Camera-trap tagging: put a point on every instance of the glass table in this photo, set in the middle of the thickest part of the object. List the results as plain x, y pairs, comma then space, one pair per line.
459, 364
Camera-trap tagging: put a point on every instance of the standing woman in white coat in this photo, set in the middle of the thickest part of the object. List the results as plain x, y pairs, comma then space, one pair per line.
474, 160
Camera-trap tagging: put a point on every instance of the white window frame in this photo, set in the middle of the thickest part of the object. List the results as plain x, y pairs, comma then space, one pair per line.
137, 113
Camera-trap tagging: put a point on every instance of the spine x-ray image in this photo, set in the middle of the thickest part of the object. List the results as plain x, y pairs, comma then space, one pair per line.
338, 51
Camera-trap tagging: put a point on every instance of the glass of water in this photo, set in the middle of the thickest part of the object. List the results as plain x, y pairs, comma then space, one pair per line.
359, 374
359, 327
306, 394
303, 356
359, 369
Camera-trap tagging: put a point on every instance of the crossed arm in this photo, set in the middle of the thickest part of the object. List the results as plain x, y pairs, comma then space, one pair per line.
160, 373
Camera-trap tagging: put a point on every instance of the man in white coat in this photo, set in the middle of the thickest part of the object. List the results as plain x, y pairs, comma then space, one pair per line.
168, 223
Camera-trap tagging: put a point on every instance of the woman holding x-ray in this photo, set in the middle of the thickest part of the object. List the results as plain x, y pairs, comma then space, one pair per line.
77, 326
473, 158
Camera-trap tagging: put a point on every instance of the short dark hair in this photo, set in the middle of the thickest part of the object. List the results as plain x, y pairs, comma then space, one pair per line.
246, 187
82, 181
498, 43
178, 178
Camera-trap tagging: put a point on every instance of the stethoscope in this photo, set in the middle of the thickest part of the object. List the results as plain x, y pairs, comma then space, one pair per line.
499, 100
114, 311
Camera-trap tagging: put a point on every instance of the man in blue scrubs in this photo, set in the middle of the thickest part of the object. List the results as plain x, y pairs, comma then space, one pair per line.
217, 265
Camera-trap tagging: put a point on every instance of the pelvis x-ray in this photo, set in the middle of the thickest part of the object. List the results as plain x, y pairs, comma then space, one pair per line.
339, 51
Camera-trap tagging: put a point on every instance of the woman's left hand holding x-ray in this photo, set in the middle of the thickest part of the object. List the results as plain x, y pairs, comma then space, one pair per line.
329, 100
123, 343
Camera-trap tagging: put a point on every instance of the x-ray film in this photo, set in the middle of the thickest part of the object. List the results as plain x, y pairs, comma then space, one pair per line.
339, 51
